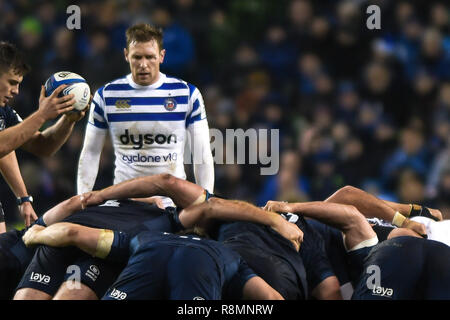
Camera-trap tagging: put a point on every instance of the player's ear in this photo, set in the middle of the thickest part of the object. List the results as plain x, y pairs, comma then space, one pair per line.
162, 54
125, 53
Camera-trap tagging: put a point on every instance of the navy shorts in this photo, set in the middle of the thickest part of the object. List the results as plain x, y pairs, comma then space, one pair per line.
161, 272
50, 267
14, 258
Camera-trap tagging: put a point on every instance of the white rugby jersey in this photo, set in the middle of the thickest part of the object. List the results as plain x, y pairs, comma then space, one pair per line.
148, 126
436, 230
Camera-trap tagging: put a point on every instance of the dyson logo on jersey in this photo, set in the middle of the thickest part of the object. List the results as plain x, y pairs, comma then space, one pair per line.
138, 140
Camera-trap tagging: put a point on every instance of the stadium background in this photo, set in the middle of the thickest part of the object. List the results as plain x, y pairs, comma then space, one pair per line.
370, 108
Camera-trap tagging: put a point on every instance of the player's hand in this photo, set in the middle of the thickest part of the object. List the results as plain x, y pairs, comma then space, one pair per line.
151, 200
27, 213
436, 213
56, 235
75, 116
417, 227
31, 236
50, 107
91, 198
290, 231
277, 206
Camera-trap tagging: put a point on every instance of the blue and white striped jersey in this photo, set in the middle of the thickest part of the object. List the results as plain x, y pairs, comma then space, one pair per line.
148, 125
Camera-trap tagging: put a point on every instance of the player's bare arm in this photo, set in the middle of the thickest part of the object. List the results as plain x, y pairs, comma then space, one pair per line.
65, 234
344, 217
10, 171
232, 210
370, 206
182, 192
47, 142
63, 210
49, 108
258, 289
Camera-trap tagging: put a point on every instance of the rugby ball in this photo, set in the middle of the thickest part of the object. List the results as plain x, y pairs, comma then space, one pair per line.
76, 85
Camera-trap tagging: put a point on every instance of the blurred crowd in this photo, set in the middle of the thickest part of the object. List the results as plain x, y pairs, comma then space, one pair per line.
369, 108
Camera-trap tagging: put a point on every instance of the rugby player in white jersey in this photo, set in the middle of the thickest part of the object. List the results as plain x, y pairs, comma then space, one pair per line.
150, 116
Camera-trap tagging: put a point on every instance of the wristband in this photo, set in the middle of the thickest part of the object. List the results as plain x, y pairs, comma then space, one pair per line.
398, 219
21, 200
416, 210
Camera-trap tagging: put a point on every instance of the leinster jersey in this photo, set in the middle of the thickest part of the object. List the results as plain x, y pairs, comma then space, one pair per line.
8, 118
148, 125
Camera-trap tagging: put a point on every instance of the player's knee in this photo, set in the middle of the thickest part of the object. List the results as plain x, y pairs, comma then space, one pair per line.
31, 294
75, 291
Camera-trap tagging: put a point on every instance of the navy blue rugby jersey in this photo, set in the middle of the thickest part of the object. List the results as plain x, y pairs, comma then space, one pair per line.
8, 117
119, 215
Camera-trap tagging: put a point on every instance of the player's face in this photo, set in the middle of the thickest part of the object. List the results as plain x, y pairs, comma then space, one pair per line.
9, 86
144, 59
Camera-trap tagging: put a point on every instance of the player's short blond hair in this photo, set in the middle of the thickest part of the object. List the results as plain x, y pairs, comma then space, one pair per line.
144, 32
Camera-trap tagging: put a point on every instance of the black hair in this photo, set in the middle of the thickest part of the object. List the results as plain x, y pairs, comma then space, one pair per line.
12, 58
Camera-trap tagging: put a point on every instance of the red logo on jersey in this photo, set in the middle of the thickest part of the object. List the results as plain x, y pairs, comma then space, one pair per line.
170, 104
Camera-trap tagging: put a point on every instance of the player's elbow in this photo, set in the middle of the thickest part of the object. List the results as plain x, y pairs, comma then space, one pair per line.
214, 205
328, 289
208, 210
71, 234
348, 190
3, 152
166, 183
343, 195
67, 233
271, 295
354, 219
168, 179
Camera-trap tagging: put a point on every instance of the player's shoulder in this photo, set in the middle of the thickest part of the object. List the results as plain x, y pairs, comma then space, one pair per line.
6, 110
181, 82
122, 83
114, 85
8, 117
172, 79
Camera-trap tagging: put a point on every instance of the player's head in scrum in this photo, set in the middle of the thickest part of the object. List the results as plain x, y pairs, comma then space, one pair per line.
12, 70
144, 53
